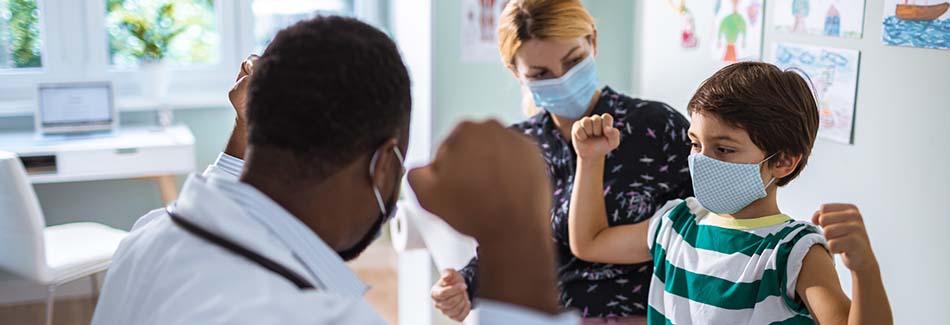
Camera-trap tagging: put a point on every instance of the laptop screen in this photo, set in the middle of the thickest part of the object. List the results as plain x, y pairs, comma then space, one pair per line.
77, 105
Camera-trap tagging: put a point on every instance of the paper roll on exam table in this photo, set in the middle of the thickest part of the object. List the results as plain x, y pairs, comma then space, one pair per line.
415, 228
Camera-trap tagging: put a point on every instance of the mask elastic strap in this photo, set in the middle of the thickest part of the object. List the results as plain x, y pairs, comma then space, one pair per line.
772, 179
402, 161
767, 158
372, 175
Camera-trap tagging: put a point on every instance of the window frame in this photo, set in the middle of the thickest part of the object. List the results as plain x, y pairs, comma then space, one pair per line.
74, 49
14, 78
190, 80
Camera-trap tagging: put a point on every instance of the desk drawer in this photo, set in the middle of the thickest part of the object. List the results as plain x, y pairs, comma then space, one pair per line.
127, 161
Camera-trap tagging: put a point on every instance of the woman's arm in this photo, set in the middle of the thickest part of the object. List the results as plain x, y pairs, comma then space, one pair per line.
818, 282
675, 148
591, 238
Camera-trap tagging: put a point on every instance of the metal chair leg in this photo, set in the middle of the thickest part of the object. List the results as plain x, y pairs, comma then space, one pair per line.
50, 300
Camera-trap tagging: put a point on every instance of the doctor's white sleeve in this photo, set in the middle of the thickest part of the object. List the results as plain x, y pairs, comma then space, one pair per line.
226, 166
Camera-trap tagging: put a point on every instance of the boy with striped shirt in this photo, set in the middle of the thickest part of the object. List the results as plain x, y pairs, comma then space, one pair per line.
729, 256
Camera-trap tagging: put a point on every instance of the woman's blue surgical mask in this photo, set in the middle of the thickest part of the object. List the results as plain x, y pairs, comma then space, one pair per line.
724, 187
571, 94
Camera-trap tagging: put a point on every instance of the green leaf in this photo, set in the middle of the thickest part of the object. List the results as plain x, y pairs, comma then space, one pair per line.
155, 27
24, 34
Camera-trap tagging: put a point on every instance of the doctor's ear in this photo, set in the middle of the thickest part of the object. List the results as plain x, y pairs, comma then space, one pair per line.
384, 163
784, 164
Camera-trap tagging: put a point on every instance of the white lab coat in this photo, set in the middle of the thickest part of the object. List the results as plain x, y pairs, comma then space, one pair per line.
162, 274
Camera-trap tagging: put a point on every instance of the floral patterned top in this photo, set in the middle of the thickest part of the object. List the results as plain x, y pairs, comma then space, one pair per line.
647, 169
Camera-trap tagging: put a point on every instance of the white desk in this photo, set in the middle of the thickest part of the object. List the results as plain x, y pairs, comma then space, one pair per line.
134, 152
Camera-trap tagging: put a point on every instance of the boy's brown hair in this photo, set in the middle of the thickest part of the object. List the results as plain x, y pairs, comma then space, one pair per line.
777, 108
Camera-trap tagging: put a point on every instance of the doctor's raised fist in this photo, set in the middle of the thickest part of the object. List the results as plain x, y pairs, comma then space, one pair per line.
485, 181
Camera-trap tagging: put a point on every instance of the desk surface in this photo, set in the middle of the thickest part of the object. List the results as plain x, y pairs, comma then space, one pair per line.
132, 152
27, 143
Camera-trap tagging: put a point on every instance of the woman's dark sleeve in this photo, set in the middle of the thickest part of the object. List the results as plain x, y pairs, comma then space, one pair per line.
470, 274
677, 149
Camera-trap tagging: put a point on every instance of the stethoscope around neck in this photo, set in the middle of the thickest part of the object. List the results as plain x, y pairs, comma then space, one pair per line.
238, 249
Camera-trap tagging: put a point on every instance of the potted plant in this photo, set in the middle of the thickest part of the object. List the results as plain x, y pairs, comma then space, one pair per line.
154, 31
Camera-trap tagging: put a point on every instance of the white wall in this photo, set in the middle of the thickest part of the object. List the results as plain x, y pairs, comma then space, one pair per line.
896, 170
480, 90
411, 28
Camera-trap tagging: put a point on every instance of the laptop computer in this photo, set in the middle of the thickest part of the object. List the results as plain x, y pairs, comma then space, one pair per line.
79, 108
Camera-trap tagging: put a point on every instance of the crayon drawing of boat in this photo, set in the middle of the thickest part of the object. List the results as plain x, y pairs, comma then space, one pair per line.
915, 12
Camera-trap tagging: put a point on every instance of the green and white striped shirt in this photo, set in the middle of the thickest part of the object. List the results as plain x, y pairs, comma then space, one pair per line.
711, 270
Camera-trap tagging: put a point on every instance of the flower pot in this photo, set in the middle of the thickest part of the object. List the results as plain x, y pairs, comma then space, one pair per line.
153, 81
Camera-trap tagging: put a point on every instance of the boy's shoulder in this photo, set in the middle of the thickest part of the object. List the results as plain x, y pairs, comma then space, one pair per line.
795, 230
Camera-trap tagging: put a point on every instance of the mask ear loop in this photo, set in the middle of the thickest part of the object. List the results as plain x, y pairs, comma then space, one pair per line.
772, 179
402, 161
767, 158
372, 176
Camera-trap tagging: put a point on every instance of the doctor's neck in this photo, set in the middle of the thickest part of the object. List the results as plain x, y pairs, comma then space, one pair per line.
328, 206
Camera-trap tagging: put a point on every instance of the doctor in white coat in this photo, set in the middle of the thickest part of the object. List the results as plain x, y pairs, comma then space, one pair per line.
262, 235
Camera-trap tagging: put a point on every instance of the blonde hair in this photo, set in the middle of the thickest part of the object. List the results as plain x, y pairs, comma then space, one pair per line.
524, 20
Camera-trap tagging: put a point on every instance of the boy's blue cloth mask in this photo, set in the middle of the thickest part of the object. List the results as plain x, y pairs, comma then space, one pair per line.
571, 94
724, 187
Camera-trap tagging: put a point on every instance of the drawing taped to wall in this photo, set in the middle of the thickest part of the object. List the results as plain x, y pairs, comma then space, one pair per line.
479, 21
920, 23
738, 31
688, 39
835, 18
834, 77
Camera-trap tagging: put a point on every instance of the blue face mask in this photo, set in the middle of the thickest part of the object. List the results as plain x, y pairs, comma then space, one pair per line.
723, 187
571, 94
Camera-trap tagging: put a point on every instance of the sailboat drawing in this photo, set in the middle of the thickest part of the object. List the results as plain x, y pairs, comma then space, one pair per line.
914, 12
908, 23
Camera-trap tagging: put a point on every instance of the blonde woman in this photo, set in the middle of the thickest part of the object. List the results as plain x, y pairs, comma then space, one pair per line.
550, 46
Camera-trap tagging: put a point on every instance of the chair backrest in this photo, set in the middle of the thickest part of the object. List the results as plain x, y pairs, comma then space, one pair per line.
21, 221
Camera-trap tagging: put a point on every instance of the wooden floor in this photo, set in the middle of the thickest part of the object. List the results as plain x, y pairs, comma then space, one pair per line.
65, 312
377, 267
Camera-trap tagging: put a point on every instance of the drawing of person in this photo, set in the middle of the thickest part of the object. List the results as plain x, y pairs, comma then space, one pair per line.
731, 27
800, 9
